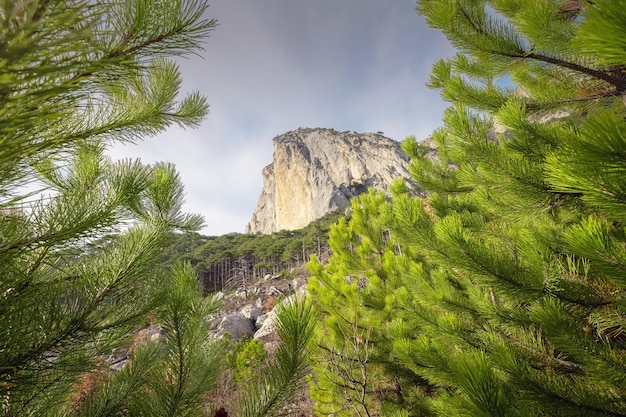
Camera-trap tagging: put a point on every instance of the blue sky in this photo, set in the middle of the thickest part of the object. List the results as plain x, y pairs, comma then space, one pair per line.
272, 66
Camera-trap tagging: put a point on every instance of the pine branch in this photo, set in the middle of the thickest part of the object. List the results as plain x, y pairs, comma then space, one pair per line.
618, 81
281, 379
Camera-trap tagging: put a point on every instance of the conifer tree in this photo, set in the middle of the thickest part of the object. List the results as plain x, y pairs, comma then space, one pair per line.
75, 78
511, 297
351, 293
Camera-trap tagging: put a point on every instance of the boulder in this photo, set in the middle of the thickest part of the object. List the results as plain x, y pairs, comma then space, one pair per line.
237, 326
251, 312
266, 325
298, 284
273, 291
260, 320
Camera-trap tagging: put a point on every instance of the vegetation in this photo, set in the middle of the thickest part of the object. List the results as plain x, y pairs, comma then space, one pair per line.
219, 259
262, 380
246, 356
79, 233
283, 376
502, 292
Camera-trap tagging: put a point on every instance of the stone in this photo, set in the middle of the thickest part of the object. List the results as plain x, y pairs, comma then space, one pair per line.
151, 333
267, 327
298, 283
237, 326
119, 365
251, 312
260, 320
316, 171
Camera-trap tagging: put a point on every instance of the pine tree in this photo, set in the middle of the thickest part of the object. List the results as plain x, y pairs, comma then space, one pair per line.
77, 77
166, 377
511, 298
275, 385
354, 293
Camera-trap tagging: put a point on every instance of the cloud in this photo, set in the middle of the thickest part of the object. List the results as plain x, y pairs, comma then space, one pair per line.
277, 65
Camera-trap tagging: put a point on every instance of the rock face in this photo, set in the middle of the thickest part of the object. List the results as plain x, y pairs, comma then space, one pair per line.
316, 171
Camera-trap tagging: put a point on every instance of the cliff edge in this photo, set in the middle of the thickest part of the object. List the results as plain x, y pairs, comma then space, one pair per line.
315, 171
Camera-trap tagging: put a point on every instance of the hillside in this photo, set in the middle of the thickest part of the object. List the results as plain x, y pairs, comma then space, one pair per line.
223, 262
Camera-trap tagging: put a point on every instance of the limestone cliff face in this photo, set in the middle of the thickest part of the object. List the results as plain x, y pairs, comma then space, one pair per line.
316, 171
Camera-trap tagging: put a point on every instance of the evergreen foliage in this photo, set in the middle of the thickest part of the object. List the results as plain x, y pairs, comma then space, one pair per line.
218, 258
276, 383
76, 77
166, 377
352, 291
246, 356
502, 292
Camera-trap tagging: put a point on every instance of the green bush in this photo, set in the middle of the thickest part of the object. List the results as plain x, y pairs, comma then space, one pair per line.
246, 356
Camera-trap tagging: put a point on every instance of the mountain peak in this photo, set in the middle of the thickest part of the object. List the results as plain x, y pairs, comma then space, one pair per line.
317, 170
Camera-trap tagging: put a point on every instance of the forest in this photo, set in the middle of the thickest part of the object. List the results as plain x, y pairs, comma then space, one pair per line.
225, 261
500, 293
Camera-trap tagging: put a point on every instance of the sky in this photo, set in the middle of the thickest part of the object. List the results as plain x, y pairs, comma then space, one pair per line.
271, 66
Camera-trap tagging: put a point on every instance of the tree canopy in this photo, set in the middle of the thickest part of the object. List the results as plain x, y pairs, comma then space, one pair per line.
218, 258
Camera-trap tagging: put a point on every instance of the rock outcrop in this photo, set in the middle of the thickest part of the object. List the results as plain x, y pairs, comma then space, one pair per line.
316, 171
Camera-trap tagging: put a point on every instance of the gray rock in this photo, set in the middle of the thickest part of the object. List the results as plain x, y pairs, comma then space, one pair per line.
260, 320
237, 326
119, 365
251, 312
269, 322
152, 333
298, 283
273, 291
268, 325
315, 171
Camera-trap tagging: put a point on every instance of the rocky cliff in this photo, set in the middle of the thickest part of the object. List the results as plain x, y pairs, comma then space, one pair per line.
316, 171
